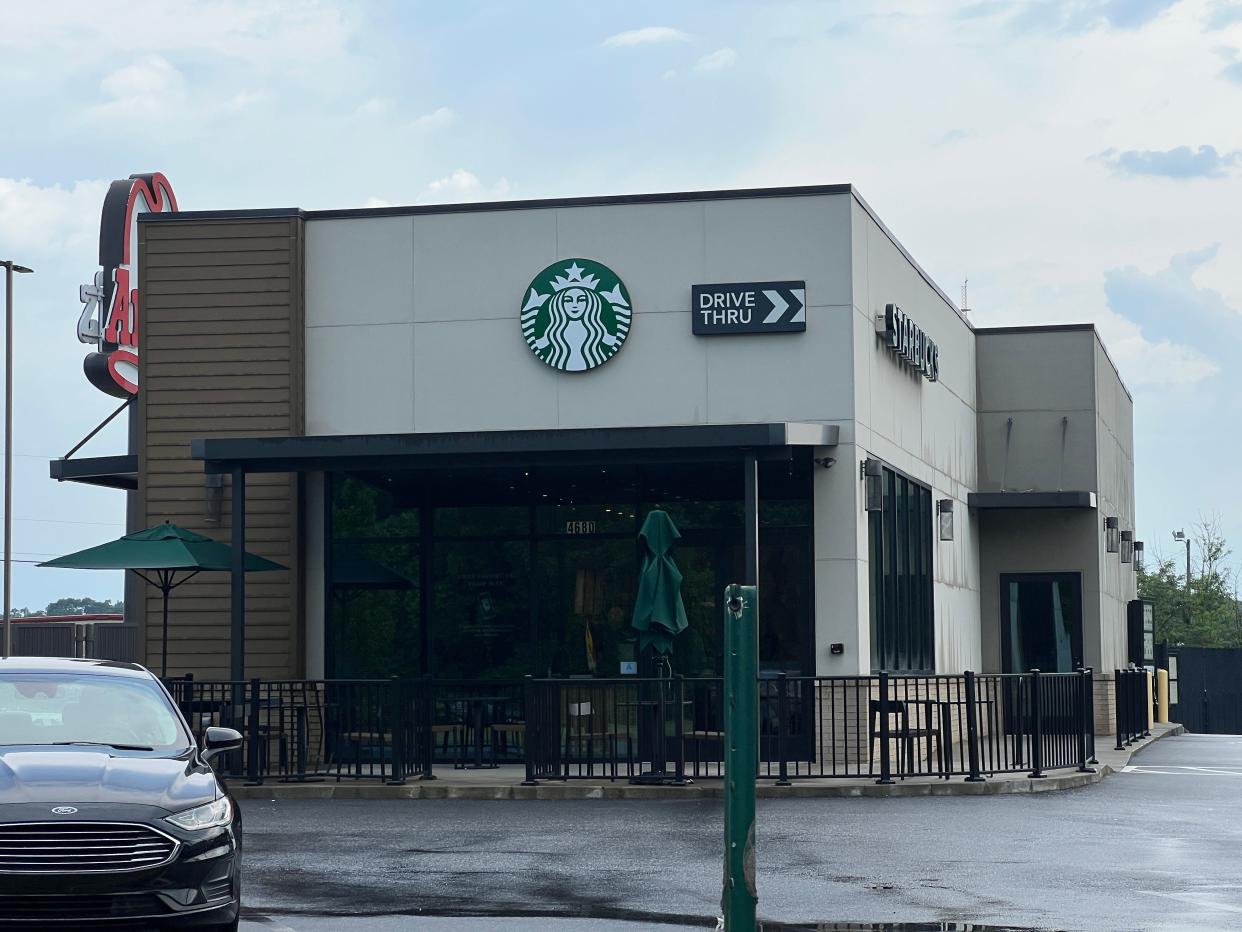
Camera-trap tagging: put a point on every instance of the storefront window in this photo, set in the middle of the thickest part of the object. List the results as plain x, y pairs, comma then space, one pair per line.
480, 625
503, 573
902, 616
373, 582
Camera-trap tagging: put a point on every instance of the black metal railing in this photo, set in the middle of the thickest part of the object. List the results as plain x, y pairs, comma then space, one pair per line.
884, 727
302, 730
1133, 708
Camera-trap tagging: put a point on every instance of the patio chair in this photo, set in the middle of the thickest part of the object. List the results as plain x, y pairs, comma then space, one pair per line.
586, 728
907, 735
508, 730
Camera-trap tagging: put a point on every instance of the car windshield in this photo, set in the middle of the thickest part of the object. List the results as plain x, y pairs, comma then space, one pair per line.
68, 708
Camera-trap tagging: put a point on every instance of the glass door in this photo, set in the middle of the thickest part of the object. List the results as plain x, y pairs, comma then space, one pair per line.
1041, 622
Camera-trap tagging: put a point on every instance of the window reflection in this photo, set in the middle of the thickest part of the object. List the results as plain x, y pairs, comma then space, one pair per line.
508, 572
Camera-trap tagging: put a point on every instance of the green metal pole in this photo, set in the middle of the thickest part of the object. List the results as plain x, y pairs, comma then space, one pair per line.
741, 725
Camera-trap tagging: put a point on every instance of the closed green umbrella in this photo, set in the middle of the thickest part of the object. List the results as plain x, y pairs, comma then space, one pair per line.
157, 555
659, 614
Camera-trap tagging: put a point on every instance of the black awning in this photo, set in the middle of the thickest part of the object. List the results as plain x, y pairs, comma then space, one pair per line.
700, 442
992, 500
113, 472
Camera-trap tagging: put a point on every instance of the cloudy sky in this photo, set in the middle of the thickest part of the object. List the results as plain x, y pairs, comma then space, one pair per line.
1078, 160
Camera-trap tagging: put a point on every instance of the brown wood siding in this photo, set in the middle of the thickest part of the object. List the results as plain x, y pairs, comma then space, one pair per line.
221, 348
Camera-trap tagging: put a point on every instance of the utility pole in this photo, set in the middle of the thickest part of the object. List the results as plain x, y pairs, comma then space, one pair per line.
9, 268
1181, 536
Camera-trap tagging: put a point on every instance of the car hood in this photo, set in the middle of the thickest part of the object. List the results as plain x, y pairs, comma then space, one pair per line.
77, 775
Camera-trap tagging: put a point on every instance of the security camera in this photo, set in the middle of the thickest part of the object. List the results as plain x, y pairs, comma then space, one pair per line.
825, 461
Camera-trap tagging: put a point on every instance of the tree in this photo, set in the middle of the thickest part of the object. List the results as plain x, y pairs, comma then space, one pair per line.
70, 606
1206, 614
85, 606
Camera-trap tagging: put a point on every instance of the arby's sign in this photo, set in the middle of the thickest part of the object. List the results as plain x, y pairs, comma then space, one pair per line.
110, 317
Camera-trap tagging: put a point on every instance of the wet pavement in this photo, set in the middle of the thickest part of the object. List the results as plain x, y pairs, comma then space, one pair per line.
1155, 848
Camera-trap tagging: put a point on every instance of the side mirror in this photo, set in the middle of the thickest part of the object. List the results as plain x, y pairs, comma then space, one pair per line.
218, 741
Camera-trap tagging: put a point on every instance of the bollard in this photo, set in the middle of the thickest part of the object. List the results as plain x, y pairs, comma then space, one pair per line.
972, 729
741, 709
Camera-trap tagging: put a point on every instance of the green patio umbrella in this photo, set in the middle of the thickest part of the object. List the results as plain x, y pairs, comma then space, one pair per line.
157, 555
659, 614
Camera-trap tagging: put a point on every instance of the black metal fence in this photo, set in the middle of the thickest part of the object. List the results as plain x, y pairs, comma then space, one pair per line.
1133, 706
885, 727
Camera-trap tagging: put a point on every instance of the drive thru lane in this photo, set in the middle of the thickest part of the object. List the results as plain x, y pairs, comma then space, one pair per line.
1156, 848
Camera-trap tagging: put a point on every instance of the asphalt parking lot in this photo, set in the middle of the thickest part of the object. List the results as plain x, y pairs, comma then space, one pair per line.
1157, 847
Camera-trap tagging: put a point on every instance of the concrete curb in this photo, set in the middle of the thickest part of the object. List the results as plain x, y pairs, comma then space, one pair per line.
434, 789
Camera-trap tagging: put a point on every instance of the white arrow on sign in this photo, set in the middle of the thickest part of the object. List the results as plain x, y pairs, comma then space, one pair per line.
779, 306
799, 296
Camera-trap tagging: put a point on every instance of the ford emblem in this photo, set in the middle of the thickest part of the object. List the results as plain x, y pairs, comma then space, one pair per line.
64, 810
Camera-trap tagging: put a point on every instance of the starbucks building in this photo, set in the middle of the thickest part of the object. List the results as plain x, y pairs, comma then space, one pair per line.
450, 422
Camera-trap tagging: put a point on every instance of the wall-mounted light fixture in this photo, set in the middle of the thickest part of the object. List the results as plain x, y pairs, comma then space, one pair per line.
1127, 546
1138, 555
873, 477
1112, 535
944, 509
215, 497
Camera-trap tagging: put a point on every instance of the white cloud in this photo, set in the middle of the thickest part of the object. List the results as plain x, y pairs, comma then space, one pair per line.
717, 60
147, 87
376, 106
648, 35
36, 221
376, 202
436, 119
462, 185
275, 35
1145, 363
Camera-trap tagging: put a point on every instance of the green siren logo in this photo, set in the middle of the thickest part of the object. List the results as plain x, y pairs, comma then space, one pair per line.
576, 315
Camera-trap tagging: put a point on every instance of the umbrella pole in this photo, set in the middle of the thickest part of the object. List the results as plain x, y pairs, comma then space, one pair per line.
166, 589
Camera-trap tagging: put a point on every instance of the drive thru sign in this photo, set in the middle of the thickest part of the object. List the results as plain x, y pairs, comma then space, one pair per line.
749, 307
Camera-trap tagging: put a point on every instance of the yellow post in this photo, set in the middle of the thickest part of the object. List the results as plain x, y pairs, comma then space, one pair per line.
1162, 694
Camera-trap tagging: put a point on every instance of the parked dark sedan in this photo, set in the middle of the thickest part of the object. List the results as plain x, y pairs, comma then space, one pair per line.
109, 812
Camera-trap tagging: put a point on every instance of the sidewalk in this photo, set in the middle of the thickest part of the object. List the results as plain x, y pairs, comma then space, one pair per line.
505, 783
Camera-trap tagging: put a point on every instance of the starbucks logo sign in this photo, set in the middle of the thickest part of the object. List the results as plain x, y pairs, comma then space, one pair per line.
576, 315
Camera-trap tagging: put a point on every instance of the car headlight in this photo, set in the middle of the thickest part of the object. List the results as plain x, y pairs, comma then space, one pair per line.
211, 815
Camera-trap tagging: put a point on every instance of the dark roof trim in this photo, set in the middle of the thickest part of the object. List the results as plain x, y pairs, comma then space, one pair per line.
695, 442
670, 197
250, 213
1034, 328
415, 210
1031, 500
113, 472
